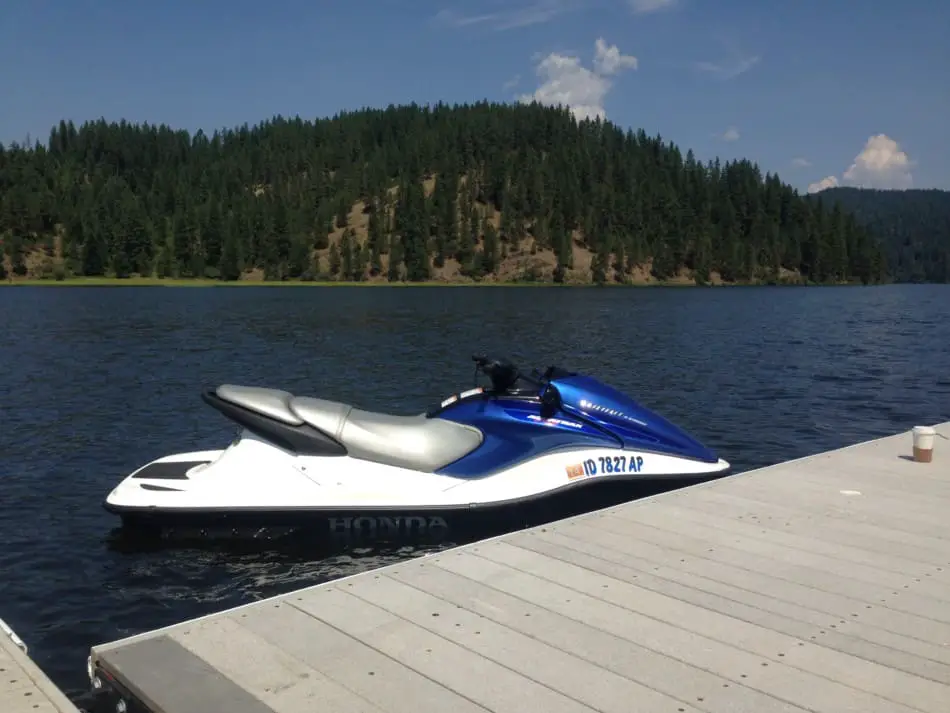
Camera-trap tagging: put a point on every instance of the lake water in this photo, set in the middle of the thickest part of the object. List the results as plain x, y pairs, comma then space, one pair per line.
96, 381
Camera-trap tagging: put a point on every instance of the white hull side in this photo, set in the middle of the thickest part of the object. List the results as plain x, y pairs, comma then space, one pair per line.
255, 475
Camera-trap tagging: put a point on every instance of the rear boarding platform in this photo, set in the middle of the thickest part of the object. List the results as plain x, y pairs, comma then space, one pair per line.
821, 584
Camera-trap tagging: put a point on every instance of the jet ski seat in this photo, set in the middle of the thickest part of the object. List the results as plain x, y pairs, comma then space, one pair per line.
413, 442
272, 403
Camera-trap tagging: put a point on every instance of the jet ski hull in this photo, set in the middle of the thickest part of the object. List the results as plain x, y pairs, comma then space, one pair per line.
212, 493
527, 448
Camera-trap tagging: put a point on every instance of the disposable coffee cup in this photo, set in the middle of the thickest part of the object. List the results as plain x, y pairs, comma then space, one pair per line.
924, 443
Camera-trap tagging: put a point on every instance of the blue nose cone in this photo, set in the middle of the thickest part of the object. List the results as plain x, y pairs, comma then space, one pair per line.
636, 425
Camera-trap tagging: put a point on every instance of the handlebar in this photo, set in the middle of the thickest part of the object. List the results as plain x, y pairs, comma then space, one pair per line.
493, 368
504, 377
502, 373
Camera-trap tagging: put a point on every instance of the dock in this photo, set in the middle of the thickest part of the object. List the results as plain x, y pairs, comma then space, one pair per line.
820, 584
24, 688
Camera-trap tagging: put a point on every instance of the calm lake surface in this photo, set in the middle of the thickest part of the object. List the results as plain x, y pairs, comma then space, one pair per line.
97, 381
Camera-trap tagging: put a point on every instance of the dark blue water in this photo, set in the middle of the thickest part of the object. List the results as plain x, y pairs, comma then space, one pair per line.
96, 381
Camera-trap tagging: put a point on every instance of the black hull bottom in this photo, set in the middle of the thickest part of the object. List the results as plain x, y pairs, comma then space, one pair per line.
359, 525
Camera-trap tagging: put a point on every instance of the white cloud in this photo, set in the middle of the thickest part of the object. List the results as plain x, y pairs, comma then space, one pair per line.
729, 69
881, 164
513, 16
730, 134
826, 182
642, 7
608, 60
567, 82
451, 18
801, 162
735, 62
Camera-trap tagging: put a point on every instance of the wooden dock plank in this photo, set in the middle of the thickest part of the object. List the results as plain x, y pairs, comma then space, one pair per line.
879, 476
757, 639
774, 516
710, 514
597, 609
801, 623
894, 530
357, 666
873, 496
818, 585
754, 542
283, 682
857, 508
792, 601
165, 676
455, 666
557, 669
626, 657
737, 552
871, 504
24, 688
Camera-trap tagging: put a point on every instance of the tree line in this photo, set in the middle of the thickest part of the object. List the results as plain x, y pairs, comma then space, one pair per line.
475, 191
913, 226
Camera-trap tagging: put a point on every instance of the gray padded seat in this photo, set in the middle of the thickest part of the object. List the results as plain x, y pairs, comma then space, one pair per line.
413, 442
270, 402
326, 415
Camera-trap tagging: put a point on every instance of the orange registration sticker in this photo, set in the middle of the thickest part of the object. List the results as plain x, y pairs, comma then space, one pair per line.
575, 471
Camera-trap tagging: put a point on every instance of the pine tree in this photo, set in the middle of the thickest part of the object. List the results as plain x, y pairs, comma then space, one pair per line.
123, 198
335, 262
231, 264
346, 254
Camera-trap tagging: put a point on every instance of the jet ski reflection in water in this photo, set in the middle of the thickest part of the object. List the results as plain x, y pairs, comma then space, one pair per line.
521, 444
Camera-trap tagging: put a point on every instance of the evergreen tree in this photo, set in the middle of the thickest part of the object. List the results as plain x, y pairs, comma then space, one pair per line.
335, 262
120, 198
231, 264
346, 254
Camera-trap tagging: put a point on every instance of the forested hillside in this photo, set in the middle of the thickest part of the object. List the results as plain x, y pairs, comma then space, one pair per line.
913, 227
473, 192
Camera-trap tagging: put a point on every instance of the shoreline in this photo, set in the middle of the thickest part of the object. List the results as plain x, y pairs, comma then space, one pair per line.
204, 282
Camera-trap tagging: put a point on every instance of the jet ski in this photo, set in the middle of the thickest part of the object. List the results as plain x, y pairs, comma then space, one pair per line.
514, 441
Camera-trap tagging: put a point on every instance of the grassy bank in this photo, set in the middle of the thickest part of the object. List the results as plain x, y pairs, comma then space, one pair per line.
204, 282
156, 282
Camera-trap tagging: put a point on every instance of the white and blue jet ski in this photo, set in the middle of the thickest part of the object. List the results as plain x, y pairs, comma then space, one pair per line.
301, 461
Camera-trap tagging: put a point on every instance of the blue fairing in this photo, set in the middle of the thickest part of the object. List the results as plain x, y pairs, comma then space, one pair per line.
593, 415
635, 425
514, 433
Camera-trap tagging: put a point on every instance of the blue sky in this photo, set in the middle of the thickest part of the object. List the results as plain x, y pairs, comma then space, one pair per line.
845, 91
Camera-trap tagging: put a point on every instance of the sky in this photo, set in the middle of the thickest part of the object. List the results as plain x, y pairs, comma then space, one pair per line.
822, 92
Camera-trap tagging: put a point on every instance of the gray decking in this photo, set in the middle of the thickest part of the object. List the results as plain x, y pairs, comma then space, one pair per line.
24, 688
816, 585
